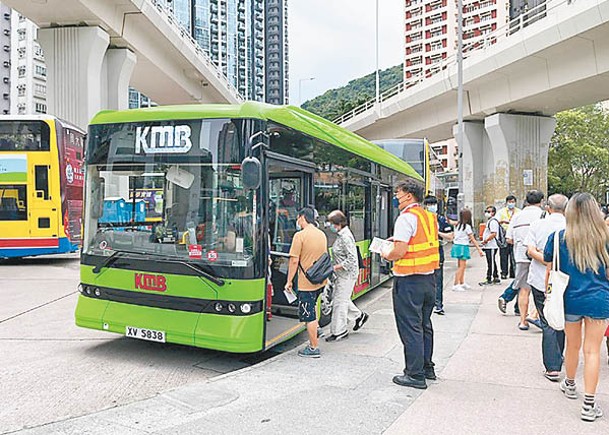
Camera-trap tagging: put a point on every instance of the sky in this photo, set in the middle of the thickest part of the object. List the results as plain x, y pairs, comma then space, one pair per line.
333, 41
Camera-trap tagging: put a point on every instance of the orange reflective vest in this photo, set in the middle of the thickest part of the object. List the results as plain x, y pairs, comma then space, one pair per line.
422, 255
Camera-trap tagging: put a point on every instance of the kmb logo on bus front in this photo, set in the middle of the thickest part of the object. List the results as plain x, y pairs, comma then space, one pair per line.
146, 281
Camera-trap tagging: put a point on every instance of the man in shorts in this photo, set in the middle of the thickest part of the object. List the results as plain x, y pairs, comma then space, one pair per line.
308, 245
517, 233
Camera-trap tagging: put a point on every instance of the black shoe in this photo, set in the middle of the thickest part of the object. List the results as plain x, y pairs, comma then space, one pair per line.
409, 381
430, 374
359, 322
487, 282
503, 276
337, 336
496, 281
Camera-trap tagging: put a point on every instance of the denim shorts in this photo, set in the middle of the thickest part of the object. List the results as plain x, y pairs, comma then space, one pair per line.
573, 318
307, 302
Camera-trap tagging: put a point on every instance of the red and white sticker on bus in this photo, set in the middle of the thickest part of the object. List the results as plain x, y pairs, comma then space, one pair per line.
212, 255
195, 252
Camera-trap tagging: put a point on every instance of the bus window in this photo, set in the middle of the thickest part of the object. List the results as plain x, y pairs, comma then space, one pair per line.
285, 196
356, 210
42, 181
13, 203
24, 136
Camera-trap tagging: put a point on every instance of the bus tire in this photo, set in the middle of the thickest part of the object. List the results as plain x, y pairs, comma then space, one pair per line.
326, 305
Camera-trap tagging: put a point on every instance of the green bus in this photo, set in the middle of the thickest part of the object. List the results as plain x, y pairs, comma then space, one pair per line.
208, 267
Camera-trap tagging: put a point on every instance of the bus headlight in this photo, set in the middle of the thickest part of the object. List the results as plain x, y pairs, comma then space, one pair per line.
246, 308
88, 290
97, 292
232, 308
80, 289
218, 307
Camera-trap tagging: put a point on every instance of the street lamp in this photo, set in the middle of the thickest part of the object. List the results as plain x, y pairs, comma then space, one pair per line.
300, 88
378, 78
461, 195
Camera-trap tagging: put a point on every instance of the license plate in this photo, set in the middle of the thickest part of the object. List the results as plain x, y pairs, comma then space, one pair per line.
145, 334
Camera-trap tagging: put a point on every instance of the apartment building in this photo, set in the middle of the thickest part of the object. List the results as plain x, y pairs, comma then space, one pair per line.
276, 45
5, 59
431, 31
28, 77
446, 152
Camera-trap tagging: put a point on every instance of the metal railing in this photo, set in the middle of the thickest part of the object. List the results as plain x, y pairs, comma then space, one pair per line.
168, 16
525, 19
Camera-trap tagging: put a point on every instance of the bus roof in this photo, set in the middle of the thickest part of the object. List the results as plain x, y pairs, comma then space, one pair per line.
289, 116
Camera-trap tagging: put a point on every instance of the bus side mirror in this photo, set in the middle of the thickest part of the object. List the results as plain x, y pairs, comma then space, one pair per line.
251, 173
97, 198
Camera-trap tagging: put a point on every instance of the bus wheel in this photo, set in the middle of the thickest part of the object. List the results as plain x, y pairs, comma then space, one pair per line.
326, 305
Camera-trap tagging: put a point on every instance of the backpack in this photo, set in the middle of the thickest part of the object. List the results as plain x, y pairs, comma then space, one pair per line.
500, 237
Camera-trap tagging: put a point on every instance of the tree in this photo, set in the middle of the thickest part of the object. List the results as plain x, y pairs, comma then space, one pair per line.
578, 159
336, 102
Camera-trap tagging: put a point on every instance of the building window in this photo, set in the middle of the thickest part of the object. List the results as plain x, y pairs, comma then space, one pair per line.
41, 108
21, 33
21, 52
21, 90
41, 70
21, 71
40, 90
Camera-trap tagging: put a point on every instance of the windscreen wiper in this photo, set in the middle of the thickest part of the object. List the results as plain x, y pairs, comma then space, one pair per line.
169, 259
115, 256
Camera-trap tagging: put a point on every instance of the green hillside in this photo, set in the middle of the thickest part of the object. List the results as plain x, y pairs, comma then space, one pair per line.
335, 102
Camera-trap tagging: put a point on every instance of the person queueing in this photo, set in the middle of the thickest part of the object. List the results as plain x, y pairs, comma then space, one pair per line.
506, 254
463, 235
489, 245
308, 245
517, 232
445, 232
415, 255
552, 341
584, 257
346, 270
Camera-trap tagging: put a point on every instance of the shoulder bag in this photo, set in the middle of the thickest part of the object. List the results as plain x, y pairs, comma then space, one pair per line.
321, 269
554, 307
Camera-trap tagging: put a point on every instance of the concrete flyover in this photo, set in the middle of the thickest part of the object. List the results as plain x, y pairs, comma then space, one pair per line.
95, 48
512, 89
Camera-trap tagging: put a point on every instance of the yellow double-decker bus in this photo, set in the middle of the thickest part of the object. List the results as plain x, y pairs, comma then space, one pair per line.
41, 186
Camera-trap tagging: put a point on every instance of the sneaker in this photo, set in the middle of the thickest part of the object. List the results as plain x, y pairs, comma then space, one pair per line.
409, 381
466, 286
439, 311
569, 390
503, 276
309, 352
496, 281
591, 413
483, 283
430, 374
359, 322
523, 327
337, 337
458, 288
502, 304
552, 376
320, 333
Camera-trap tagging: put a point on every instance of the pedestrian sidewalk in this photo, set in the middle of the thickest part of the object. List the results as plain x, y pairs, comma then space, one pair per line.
490, 381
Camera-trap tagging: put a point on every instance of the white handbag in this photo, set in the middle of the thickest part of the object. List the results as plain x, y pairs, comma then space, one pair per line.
554, 307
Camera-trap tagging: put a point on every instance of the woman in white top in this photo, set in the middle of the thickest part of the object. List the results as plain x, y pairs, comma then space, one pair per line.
462, 236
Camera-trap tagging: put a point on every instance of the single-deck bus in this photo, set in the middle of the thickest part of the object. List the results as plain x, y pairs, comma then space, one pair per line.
41, 185
206, 263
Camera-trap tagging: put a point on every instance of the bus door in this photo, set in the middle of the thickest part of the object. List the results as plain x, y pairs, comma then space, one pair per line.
42, 205
383, 224
290, 187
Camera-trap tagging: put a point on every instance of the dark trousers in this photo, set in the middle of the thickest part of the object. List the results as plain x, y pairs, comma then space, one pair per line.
491, 264
413, 303
552, 341
439, 276
509, 295
506, 258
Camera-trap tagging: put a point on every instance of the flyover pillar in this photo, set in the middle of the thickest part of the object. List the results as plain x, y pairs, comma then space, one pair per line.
74, 58
519, 146
475, 142
119, 65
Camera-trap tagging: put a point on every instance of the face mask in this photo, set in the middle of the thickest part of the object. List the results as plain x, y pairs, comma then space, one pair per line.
487, 215
432, 208
511, 205
333, 229
396, 202
298, 227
